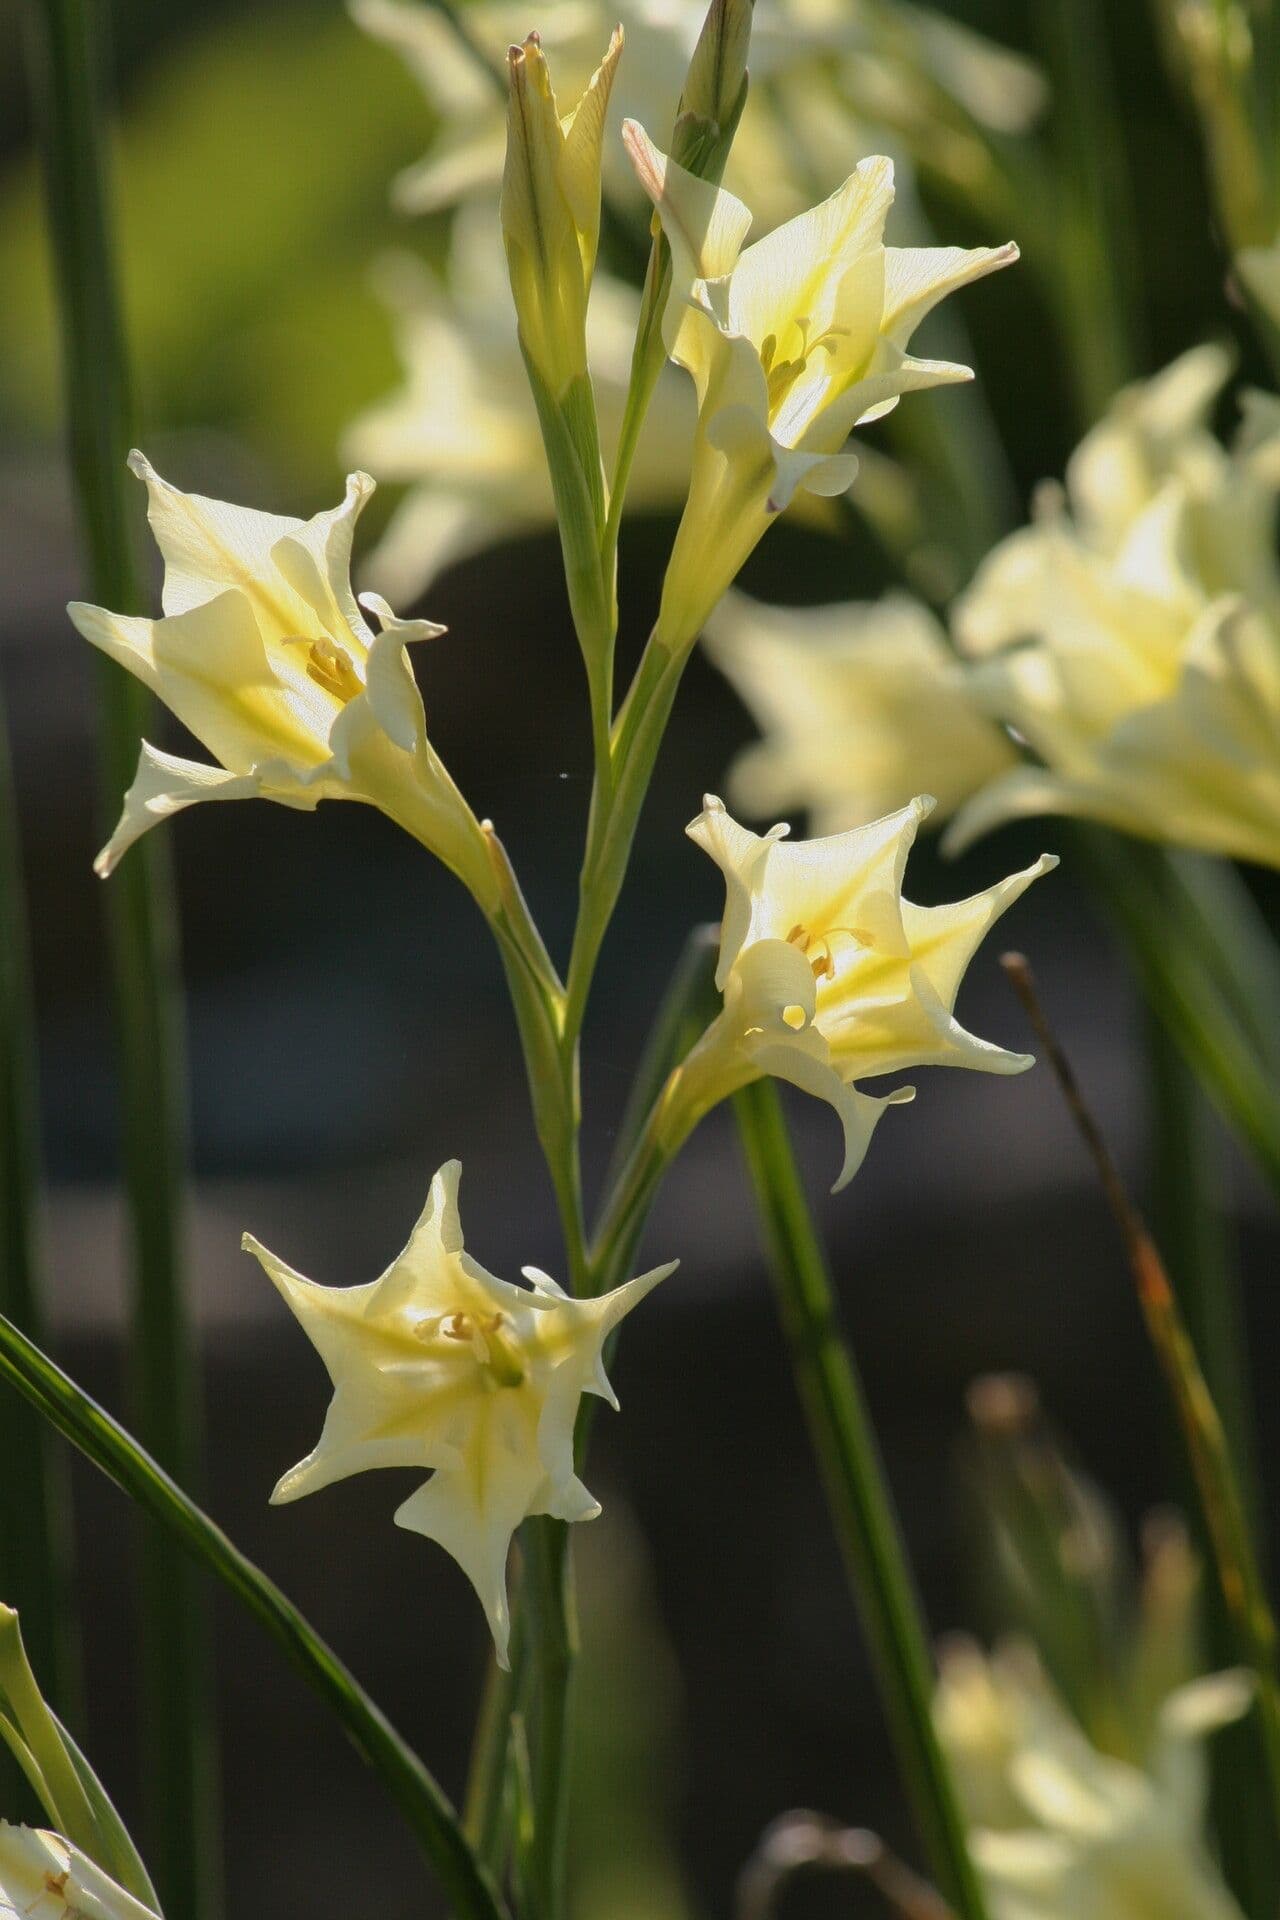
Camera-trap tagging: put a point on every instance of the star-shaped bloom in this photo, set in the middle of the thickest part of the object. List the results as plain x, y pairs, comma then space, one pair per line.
830, 977
791, 344
43, 1877
439, 1365
264, 654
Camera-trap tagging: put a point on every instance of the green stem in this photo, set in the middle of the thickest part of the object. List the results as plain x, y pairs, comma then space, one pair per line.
103, 1441
648, 357
180, 1766
859, 1498
35, 1512
1092, 250
1207, 968
484, 1810
615, 814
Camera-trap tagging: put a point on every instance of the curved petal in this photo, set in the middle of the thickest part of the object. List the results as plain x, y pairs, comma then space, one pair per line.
163, 786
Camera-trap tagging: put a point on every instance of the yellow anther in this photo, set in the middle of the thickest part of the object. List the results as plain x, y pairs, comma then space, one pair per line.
332, 669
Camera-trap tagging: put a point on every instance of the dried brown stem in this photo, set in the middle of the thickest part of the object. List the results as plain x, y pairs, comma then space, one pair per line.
1225, 1516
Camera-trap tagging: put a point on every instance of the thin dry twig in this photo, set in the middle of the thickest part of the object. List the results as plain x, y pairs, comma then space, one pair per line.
1239, 1575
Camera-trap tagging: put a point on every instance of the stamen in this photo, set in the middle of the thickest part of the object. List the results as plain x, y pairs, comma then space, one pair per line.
329, 666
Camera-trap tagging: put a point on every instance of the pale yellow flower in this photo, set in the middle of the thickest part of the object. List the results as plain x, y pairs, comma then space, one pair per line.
1131, 634
43, 1877
1061, 1831
830, 977
439, 1365
790, 344
861, 705
263, 653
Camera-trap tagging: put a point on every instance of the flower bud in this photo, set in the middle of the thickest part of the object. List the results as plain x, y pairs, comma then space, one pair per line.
715, 90
550, 210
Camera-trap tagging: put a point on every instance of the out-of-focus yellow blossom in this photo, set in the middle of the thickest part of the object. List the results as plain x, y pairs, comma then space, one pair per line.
861, 705
1061, 1831
550, 212
42, 1877
1131, 634
264, 655
818, 68
830, 977
791, 344
462, 432
437, 1364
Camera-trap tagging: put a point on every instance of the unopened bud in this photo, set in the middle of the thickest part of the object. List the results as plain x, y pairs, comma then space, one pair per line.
715, 90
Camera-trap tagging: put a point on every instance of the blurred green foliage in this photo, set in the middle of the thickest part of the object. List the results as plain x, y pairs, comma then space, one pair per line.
252, 169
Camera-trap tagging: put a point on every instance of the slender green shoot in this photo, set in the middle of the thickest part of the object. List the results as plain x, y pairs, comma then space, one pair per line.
35, 1512
65, 39
857, 1492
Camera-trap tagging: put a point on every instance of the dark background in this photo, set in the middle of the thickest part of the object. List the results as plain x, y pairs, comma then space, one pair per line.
348, 1032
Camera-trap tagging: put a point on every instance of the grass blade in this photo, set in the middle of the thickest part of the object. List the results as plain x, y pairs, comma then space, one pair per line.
857, 1493
35, 1516
64, 38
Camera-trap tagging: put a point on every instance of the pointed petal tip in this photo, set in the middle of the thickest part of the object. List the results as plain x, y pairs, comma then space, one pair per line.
644, 157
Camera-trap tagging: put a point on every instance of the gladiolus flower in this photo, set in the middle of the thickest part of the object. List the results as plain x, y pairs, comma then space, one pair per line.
1129, 635
43, 1876
440, 1365
860, 705
830, 977
264, 655
791, 344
